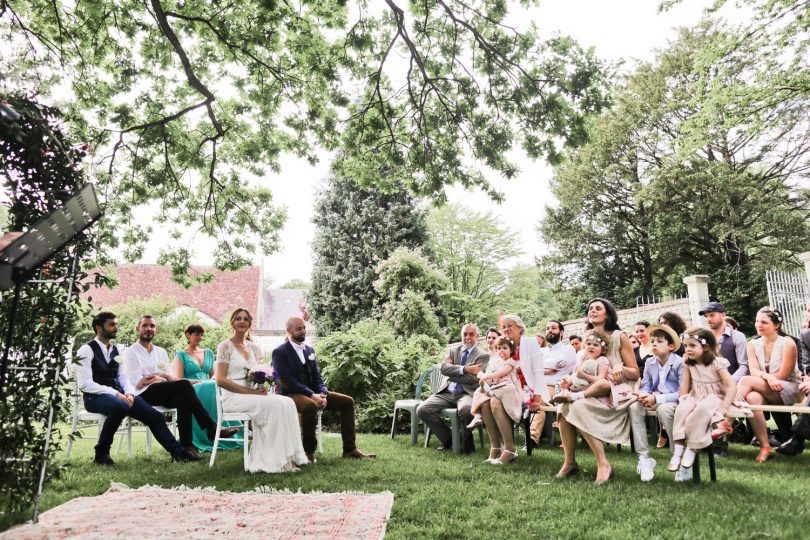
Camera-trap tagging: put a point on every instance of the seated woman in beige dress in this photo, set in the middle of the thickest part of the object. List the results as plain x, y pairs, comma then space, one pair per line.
600, 418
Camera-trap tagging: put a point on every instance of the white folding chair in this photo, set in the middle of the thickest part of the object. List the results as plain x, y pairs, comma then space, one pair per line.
89, 419
223, 416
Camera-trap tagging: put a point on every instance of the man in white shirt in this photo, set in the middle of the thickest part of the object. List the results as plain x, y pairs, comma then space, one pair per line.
147, 369
559, 360
107, 391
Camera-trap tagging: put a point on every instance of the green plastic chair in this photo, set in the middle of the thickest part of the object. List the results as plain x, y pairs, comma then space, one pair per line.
436, 380
410, 405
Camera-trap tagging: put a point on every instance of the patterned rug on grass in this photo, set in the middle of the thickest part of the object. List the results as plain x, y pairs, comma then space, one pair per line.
155, 512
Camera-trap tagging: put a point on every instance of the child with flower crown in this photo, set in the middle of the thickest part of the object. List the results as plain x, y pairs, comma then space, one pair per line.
706, 394
592, 367
500, 380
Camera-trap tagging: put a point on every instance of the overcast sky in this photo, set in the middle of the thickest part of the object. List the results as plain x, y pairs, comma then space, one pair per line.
619, 30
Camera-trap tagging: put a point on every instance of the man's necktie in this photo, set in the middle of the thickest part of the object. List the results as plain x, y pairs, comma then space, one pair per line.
459, 387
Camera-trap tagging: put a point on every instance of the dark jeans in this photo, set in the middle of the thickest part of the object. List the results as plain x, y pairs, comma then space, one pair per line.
116, 409
309, 419
180, 395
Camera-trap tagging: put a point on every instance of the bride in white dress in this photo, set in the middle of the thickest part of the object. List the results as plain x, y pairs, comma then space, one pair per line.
277, 443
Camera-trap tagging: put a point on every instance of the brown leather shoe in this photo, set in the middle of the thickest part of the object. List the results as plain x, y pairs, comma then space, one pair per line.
226, 432
311, 458
357, 454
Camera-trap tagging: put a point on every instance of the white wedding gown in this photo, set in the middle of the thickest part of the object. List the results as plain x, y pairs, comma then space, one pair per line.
276, 431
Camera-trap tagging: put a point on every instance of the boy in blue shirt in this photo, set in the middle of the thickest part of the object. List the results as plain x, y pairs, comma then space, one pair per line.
658, 392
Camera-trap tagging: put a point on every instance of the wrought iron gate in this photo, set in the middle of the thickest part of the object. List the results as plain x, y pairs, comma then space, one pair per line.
790, 292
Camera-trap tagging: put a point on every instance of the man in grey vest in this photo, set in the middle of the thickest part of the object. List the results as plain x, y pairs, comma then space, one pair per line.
732, 344
461, 367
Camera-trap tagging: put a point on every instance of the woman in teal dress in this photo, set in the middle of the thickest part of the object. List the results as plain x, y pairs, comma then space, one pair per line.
197, 365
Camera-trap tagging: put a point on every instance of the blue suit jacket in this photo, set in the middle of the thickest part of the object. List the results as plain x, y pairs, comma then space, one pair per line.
287, 363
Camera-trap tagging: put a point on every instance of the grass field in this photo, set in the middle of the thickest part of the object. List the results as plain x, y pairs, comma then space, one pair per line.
440, 495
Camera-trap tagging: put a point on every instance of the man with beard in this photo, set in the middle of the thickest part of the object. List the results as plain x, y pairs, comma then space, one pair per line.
732, 343
301, 380
461, 367
560, 360
148, 369
106, 390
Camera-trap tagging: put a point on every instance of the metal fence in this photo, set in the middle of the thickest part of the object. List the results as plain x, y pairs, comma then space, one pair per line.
790, 292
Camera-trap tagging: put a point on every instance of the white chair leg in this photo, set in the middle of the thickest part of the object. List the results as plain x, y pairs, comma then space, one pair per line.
73, 427
117, 433
320, 432
216, 445
148, 442
246, 453
129, 437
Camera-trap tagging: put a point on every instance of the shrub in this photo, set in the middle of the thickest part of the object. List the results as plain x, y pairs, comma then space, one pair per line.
376, 367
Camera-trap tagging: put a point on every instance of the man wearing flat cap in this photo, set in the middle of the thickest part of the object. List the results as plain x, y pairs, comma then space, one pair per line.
732, 343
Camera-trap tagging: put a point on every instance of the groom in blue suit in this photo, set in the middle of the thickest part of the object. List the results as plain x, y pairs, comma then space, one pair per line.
301, 380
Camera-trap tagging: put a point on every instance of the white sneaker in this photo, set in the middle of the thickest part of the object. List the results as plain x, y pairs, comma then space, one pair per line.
646, 468
684, 474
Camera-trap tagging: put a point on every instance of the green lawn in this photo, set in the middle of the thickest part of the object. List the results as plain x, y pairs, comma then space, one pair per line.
440, 495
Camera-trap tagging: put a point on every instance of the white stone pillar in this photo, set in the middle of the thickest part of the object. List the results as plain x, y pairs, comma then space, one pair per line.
698, 290
805, 259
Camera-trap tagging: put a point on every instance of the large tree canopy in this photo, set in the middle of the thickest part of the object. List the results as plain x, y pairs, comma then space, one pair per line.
189, 103
701, 168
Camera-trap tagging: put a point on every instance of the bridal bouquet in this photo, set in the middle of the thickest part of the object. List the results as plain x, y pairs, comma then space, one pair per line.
261, 377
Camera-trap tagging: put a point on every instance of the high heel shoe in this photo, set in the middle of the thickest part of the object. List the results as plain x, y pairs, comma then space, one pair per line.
606, 480
501, 461
764, 455
573, 470
475, 423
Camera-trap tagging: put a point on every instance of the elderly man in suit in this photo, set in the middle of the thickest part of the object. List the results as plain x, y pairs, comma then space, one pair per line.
461, 367
301, 380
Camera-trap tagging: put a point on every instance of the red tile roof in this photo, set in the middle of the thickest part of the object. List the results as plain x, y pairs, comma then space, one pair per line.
226, 291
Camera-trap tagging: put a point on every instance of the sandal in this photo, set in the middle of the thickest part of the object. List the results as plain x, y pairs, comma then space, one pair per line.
491, 458
662, 442
501, 461
721, 429
475, 423
764, 454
